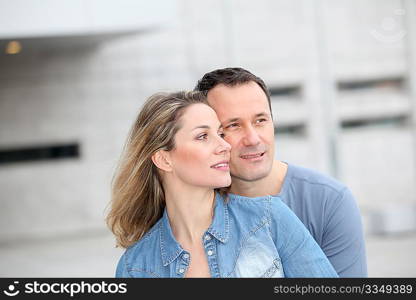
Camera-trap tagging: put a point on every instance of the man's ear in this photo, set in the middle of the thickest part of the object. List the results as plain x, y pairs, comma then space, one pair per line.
162, 161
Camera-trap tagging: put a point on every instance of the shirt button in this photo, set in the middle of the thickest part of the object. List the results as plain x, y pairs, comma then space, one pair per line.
181, 271
186, 256
210, 252
207, 237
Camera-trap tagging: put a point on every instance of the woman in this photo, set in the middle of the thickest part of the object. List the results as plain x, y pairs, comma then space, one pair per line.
166, 212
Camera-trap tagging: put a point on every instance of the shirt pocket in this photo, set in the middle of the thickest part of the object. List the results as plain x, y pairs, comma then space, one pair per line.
258, 258
275, 271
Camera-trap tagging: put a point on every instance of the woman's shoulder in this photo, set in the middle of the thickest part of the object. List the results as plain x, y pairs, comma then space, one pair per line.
254, 202
250, 207
137, 257
269, 206
247, 201
144, 247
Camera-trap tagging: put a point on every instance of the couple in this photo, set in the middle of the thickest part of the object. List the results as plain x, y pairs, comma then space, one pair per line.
198, 193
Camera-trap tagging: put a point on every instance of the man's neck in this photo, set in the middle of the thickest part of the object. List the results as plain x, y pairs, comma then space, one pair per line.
269, 185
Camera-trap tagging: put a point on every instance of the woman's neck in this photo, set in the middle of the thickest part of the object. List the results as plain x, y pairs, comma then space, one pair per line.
190, 212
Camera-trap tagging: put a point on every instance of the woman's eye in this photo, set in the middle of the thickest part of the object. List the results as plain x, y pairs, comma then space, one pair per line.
222, 135
202, 136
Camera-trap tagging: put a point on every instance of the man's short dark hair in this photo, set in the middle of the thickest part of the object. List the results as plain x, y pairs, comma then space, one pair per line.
230, 77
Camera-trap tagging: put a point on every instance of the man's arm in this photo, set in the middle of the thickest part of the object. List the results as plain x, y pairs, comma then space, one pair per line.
300, 255
343, 238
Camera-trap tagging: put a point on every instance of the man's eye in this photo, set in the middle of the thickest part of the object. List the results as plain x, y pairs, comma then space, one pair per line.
261, 120
231, 125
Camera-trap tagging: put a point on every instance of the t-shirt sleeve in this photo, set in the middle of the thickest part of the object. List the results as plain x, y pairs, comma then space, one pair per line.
343, 239
300, 255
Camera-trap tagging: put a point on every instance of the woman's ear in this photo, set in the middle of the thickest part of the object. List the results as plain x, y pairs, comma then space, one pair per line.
161, 160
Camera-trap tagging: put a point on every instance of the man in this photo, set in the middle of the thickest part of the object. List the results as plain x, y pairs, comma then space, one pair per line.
325, 206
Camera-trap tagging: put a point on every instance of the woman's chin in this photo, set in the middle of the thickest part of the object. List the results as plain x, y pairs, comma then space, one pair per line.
223, 183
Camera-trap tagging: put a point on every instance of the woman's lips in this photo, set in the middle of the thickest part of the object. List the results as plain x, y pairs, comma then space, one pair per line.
222, 166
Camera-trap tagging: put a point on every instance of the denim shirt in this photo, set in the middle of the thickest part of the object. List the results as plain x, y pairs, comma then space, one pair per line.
248, 237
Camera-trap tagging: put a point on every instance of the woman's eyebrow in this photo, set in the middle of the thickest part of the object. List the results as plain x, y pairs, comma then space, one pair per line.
201, 126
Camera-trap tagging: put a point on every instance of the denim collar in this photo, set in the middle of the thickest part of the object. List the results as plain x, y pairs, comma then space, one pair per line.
170, 248
220, 226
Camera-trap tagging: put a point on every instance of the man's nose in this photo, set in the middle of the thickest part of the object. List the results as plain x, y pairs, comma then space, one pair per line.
251, 137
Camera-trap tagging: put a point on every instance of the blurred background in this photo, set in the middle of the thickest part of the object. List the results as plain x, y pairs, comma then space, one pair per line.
74, 73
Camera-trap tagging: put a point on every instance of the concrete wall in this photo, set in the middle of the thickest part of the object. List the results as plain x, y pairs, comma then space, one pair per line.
90, 94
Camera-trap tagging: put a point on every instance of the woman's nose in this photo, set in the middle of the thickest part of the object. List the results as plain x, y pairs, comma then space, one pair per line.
223, 146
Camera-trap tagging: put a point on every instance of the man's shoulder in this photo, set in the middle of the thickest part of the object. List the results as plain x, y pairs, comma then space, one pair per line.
310, 192
313, 180
329, 211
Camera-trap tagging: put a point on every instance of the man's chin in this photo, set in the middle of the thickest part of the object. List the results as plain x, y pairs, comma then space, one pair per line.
249, 176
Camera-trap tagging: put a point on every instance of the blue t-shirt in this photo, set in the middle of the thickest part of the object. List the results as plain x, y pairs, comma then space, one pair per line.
329, 211
248, 237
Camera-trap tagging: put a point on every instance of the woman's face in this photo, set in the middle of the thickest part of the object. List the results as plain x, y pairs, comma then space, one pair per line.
201, 156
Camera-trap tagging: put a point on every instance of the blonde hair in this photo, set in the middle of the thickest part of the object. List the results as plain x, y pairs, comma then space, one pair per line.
137, 196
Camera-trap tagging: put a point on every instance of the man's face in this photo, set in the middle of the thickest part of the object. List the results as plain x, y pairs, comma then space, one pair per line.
244, 113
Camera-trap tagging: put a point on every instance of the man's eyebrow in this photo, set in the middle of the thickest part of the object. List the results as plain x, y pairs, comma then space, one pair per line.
232, 120
262, 114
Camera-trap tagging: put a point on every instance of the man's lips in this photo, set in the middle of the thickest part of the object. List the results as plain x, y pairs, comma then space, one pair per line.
252, 155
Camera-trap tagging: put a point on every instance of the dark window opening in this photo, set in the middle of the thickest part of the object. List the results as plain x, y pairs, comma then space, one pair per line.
397, 83
384, 121
296, 129
39, 153
293, 91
